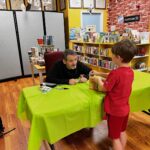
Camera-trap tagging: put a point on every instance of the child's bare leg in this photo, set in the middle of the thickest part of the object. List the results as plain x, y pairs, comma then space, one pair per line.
117, 145
123, 139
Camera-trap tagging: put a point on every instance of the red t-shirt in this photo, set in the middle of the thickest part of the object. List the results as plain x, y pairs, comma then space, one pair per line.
118, 85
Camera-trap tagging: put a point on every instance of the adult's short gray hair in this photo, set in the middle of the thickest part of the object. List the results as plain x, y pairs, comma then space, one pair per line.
68, 52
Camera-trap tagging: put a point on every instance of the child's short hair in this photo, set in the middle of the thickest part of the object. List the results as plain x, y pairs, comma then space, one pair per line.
126, 49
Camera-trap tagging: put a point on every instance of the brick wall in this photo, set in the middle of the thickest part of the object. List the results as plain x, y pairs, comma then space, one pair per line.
129, 8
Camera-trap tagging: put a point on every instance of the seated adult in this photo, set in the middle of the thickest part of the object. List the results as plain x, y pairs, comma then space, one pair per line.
69, 70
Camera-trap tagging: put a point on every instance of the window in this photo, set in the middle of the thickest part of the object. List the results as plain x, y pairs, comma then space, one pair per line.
92, 19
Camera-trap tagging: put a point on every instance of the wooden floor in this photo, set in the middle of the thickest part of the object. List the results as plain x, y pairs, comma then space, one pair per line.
138, 128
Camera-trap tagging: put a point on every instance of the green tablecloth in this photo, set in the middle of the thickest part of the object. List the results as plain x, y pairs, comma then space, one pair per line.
140, 97
61, 112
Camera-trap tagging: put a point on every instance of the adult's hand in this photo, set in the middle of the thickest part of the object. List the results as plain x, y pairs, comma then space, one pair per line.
72, 81
83, 79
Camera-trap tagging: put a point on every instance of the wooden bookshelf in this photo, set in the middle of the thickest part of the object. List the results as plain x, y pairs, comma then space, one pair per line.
106, 55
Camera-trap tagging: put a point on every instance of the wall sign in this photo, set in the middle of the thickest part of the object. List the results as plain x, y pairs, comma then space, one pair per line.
131, 18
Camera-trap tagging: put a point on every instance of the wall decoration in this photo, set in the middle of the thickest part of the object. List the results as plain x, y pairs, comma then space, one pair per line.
16, 4
35, 4
120, 19
49, 5
100, 4
2, 4
75, 3
23, 7
88, 3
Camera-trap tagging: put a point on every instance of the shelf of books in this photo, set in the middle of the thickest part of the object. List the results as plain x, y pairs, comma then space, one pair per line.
98, 55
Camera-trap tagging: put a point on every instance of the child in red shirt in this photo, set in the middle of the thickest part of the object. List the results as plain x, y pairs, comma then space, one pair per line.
118, 86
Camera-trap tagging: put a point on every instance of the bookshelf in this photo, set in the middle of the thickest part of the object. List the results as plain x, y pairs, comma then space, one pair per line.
98, 56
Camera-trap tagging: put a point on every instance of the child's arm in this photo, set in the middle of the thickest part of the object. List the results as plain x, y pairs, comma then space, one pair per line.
104, 75
101, 85
108, 84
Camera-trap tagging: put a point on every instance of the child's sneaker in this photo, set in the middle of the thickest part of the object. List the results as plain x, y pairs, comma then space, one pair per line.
100, 132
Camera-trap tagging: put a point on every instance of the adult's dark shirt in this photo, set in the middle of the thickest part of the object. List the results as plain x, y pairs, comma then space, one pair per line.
60, 74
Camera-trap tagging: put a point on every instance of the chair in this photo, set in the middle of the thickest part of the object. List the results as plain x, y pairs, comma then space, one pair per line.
51, 58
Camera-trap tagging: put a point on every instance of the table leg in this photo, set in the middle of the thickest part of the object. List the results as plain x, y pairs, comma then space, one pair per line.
41, 77
32, 70
52, 146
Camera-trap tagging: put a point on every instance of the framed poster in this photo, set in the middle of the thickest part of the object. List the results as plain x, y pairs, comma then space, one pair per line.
3, 4
35, 4
62, 4
16, 4
88, 3
75, 3
49, 5
100, 4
